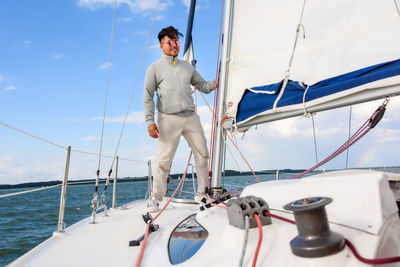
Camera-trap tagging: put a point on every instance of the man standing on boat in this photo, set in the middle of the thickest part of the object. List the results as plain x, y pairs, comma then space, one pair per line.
171, 78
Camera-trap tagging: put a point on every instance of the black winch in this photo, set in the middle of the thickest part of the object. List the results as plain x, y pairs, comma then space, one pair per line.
315, 239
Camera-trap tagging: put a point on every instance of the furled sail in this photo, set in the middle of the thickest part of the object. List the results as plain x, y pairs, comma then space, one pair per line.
350, 54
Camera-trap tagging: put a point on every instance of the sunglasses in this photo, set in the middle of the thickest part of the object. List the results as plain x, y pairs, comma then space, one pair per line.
176, 42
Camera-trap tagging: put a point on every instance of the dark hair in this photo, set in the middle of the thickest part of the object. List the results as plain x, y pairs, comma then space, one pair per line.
171, 32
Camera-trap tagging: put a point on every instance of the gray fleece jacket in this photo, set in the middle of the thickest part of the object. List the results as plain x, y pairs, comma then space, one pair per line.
171, 81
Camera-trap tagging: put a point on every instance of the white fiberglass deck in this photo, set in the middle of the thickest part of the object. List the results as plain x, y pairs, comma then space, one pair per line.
106, 242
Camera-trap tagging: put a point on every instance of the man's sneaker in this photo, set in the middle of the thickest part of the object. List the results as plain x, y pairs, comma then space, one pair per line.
200, 198
152, 205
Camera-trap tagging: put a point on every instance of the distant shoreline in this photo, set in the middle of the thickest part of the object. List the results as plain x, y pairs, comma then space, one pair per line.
228, 173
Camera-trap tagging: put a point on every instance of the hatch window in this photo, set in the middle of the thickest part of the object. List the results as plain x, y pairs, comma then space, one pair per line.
186, 240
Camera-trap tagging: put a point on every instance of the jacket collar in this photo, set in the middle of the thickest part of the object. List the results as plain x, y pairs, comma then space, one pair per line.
169, 59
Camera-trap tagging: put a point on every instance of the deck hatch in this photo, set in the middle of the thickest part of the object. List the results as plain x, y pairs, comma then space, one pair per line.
186, 240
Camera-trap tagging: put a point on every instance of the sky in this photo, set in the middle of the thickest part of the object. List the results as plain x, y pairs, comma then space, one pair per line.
53, 74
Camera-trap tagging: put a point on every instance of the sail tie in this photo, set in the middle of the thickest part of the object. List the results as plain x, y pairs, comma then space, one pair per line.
287, 73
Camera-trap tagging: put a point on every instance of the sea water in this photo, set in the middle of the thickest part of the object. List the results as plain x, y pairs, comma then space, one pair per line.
26, 220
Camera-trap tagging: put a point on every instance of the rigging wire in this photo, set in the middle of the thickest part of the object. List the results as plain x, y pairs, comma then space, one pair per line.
129, 107
347, 151
95, 202
107, 84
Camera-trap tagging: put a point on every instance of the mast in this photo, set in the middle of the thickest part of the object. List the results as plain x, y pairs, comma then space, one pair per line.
219, 132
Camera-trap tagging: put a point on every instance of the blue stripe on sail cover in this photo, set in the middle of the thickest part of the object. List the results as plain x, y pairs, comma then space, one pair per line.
254, 103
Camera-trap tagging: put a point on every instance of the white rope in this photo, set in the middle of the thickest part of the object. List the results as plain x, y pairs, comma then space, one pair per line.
306, 114
287, 74
31, 135
245, 239
29, 191
315, 140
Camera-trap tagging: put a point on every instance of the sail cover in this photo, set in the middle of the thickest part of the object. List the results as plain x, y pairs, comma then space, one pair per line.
349, 47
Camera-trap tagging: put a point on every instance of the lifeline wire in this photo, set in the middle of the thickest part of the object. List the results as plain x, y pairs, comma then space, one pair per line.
62, 147
31, 135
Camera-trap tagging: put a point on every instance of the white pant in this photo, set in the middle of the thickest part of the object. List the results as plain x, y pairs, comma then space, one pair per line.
171, 129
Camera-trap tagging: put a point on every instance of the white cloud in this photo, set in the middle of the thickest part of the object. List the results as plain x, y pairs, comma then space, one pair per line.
105, 66
58, 56
154, 46
133, 117
9, 88
186, 3
140, 33
136, 6
126, 19
91, 138
1, 78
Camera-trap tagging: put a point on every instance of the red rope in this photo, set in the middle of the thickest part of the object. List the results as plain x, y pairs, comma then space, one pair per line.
234, 144
363, 130
176, 190
260, 237
279, 217
370, 261
348, 243
258, 180
143, 246
183, 185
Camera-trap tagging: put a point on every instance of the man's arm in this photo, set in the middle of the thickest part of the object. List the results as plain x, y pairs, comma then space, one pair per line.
150, 85
202, 85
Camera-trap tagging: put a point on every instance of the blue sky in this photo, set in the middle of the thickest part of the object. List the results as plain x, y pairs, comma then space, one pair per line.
53, 66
